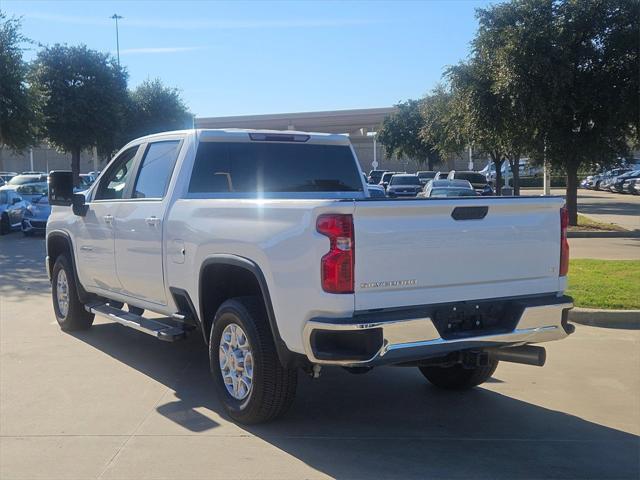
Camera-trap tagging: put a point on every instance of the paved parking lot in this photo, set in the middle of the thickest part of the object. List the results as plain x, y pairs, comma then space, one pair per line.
117, 404
622, 209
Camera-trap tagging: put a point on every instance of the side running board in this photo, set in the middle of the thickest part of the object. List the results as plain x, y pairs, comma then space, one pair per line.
165, 328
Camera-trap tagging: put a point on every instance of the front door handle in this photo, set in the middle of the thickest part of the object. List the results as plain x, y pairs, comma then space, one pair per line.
108, 219
152, 221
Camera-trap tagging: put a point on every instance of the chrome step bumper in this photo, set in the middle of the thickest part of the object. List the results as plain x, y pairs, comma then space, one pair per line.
407, 339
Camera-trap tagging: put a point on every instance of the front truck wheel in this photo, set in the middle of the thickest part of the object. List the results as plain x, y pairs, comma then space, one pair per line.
457, 377
69, 311
250, 381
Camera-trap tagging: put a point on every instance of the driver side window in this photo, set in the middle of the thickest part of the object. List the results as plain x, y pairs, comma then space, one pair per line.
114, 184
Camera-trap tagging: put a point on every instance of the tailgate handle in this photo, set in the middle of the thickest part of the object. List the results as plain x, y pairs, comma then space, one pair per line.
469, 213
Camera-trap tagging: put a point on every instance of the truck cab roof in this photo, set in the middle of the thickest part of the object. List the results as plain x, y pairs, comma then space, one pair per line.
247, 135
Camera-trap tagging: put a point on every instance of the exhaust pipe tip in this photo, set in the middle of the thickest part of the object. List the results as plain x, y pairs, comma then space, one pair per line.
525, 354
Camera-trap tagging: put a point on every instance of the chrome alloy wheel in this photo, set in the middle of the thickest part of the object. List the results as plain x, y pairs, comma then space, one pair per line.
236, 361
62, 293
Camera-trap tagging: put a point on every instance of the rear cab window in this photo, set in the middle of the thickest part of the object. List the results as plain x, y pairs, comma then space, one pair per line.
270, 168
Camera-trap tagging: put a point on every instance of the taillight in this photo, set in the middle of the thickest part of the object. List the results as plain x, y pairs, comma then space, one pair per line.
336, 267
564, 243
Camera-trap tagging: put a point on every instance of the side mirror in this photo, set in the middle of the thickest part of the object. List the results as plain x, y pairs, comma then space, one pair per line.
61, 192
61, 188
16, 200
78, 205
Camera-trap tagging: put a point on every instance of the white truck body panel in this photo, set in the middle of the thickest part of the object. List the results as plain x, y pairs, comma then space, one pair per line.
422, 254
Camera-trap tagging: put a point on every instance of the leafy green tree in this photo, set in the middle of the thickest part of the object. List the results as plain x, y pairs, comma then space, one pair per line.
477, 110
441, 127
149, 108
18, 102
572, 66
157, 108
84, 98
400, 135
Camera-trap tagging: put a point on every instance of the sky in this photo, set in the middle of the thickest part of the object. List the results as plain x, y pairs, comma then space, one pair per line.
238, 58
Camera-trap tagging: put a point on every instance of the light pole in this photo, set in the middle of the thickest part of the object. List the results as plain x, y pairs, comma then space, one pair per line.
374, 164
117, 17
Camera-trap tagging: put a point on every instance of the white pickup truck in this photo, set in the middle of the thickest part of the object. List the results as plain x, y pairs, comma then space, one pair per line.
269, 245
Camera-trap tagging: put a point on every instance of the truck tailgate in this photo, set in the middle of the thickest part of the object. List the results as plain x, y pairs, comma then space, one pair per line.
414, 252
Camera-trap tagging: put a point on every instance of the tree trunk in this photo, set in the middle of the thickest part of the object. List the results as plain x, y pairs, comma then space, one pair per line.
430, 163
75, 166
516, 179
572, 192
498, 165
515, 170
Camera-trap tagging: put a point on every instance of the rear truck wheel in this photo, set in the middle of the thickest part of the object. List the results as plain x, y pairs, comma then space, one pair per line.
457, 377
250, 381
69, 311
5, 225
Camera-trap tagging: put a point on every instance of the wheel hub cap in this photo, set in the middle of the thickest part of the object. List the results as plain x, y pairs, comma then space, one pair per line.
236, 361
62, 293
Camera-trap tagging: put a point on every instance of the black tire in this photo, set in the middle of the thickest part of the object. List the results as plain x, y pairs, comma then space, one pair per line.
457, 377
5, 225
597, 186
273, 386
76, 317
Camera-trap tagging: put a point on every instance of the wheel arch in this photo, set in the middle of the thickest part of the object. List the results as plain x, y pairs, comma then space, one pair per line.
59, 243
225, 276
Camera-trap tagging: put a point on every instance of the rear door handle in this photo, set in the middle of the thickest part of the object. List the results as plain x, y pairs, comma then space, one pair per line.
152, 221
108, 219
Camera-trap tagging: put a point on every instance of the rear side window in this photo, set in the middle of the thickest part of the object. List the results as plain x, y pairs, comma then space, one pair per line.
274, 167
156, 168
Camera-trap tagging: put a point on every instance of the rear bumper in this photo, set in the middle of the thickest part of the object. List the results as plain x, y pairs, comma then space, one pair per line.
404, 335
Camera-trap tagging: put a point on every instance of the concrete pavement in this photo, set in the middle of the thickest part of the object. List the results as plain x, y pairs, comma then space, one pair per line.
605, 207
623, 210
113, 403
605, 248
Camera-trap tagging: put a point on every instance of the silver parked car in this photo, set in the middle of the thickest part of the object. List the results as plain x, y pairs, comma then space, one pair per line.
448, 188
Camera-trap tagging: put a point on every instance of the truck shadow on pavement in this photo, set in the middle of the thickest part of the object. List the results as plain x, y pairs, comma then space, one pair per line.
389, 423
22, 269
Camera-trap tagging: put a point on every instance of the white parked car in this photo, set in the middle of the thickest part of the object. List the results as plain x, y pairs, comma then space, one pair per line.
269, 245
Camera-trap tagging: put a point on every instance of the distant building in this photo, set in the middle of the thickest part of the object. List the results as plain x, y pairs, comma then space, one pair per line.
359, 124
44, 159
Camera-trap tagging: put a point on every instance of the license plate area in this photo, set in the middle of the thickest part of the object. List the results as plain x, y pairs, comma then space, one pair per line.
470, 319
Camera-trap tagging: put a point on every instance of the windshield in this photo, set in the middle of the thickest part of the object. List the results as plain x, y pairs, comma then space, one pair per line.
33, 189
471, 176
24, 179
452, 192
256, 167
405, 180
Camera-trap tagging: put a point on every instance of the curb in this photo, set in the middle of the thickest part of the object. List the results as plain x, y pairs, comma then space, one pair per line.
604, 234
606, 318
